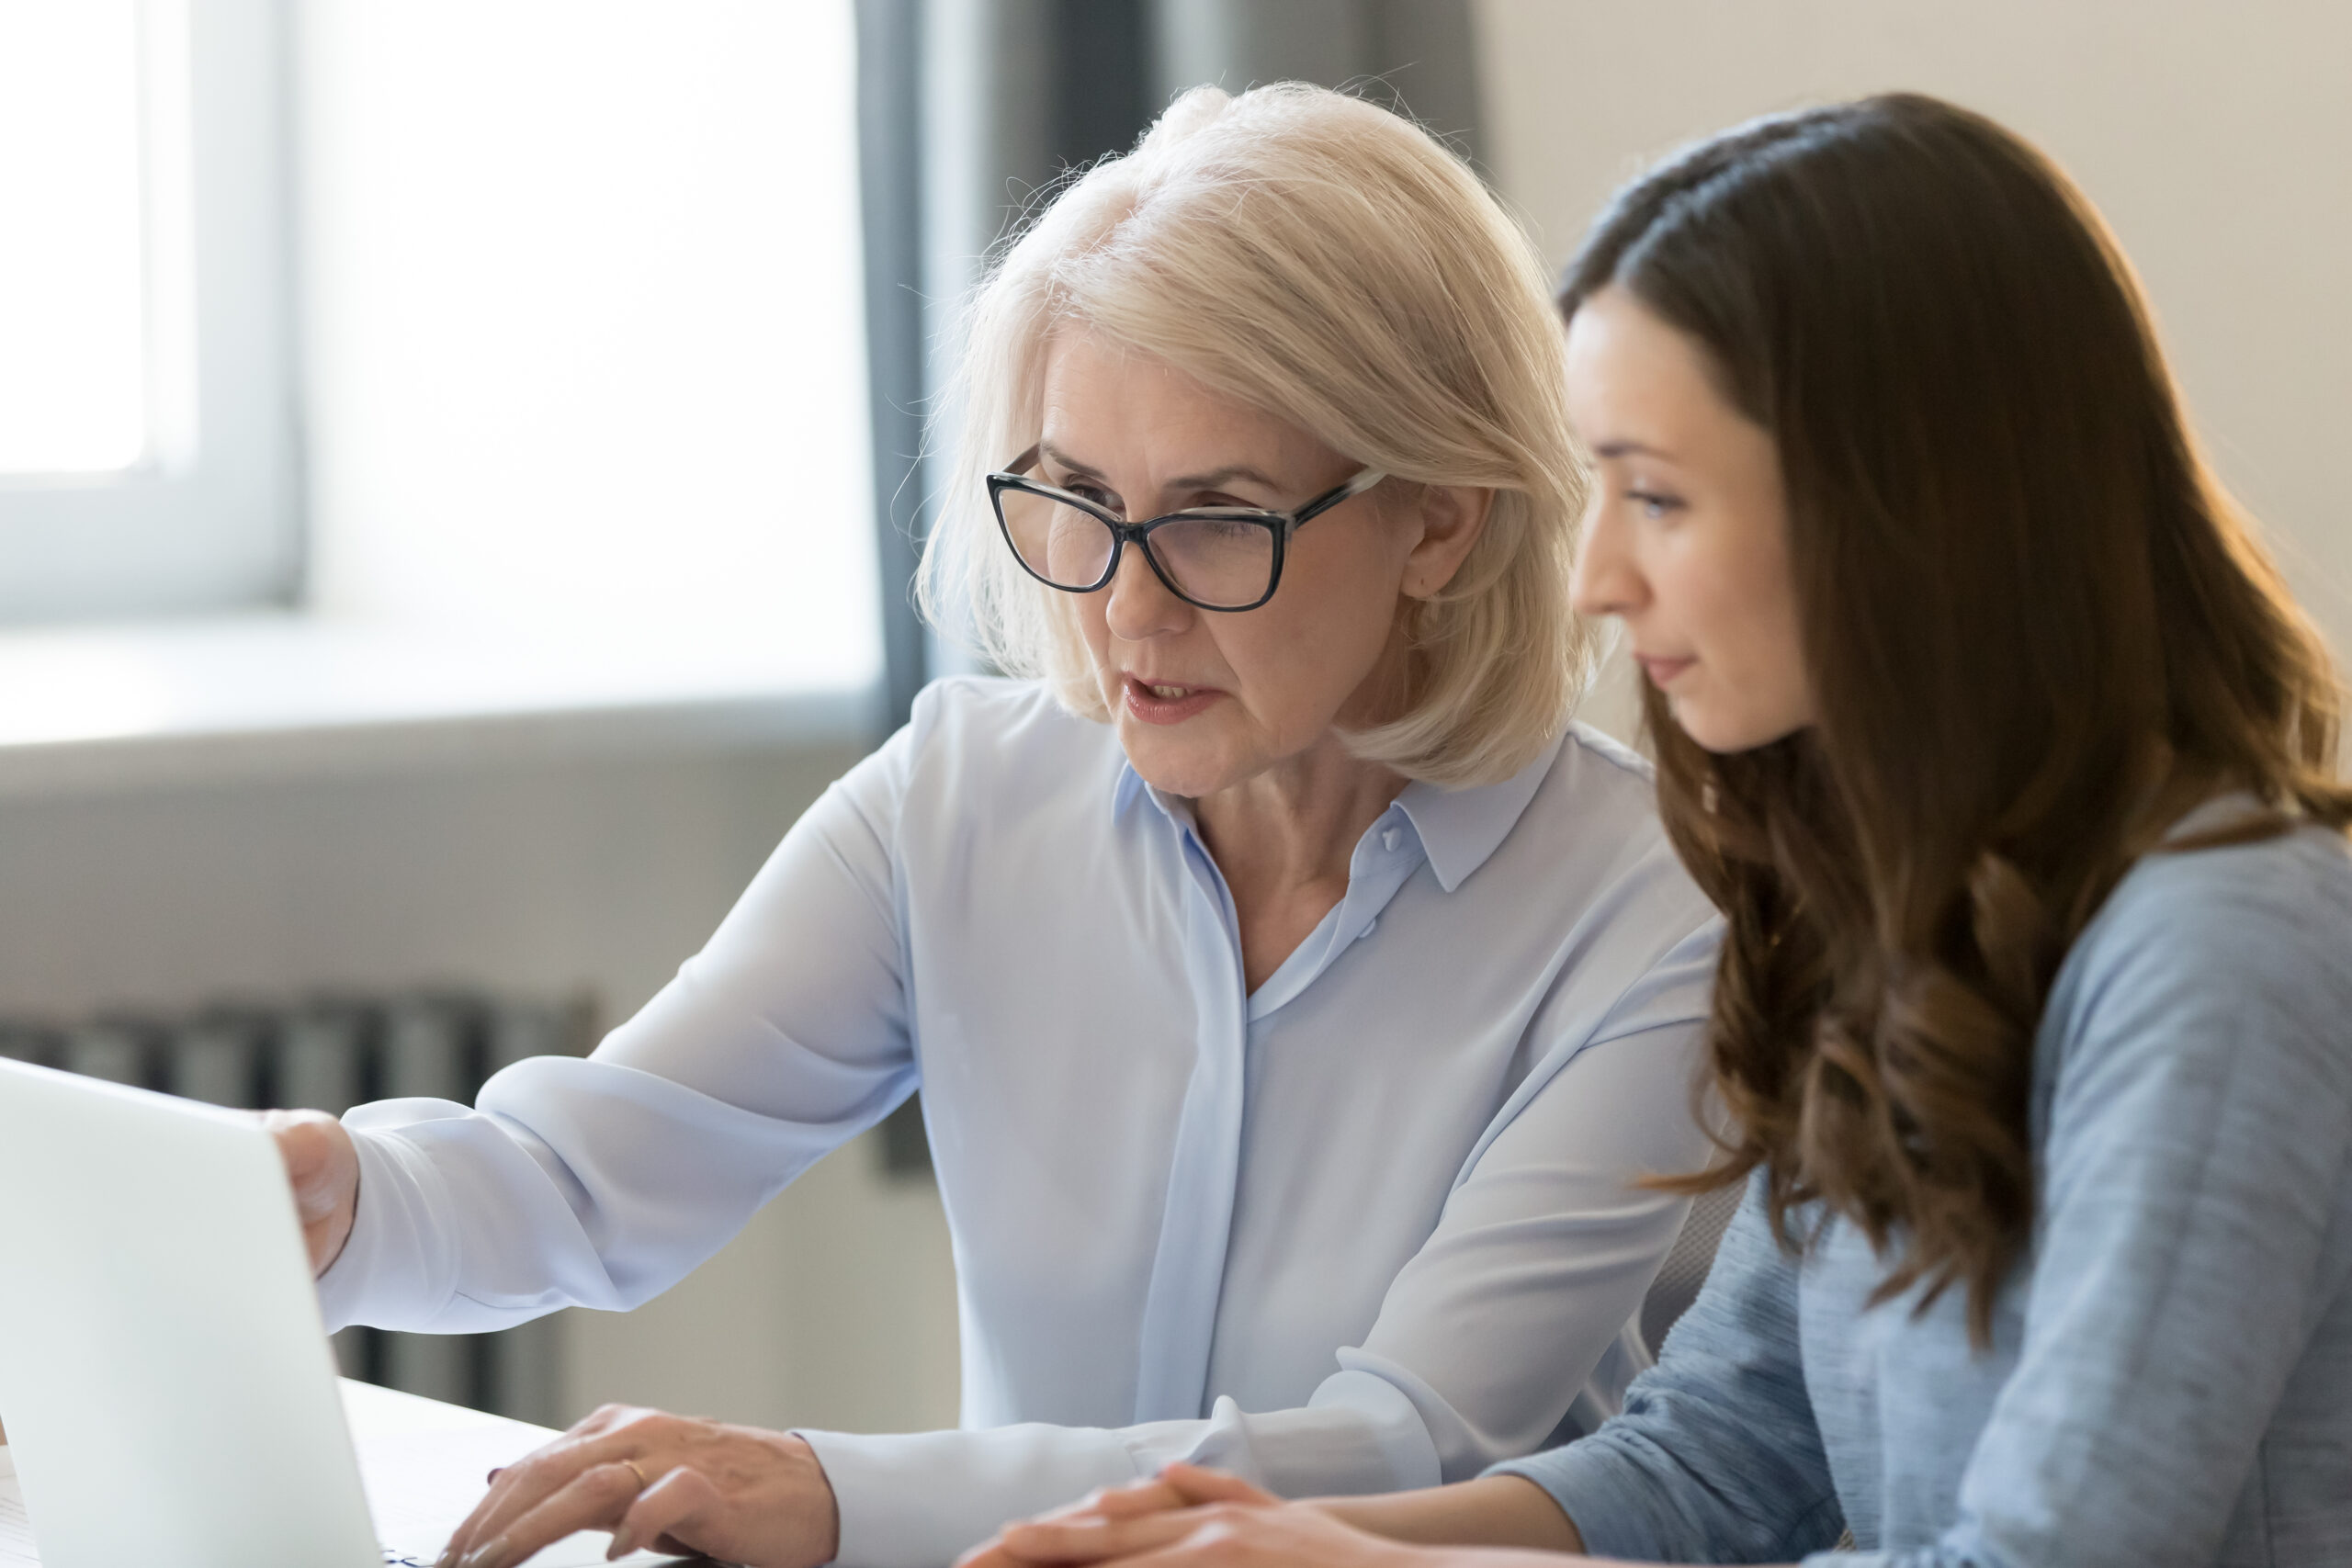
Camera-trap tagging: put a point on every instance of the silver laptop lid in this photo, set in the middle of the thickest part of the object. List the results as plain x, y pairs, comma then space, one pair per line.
164, 1377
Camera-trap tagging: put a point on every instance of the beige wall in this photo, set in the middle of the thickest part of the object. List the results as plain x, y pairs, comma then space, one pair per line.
2216, 137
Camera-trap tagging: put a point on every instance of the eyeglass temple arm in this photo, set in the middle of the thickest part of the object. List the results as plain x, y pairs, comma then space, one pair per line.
1355, 486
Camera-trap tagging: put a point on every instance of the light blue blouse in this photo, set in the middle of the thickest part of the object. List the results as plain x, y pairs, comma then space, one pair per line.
2170, 1380
1366, 1227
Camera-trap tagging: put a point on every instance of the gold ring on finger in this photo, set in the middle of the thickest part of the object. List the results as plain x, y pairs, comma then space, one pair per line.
641, 1482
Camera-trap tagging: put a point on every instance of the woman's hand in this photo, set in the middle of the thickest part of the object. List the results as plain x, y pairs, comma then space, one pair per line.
1209, 1520
1078, 1532
668, 1483
1187, 1515
323, 1164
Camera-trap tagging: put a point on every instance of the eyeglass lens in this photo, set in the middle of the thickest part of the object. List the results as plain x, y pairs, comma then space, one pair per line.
1213, 561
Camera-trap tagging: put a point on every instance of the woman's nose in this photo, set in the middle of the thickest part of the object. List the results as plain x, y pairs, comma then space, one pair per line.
1605, 582
1140, 605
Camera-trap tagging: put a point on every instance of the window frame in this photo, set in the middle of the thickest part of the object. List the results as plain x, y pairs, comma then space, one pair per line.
211, 518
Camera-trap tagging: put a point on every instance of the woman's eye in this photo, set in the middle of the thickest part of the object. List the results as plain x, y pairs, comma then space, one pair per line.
1653, 503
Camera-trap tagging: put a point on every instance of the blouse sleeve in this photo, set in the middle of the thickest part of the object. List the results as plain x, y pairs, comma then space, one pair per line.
1540, 1256
602, 1182
1716, 1458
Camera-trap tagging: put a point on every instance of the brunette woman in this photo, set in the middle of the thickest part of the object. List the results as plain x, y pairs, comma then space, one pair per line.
1985, 721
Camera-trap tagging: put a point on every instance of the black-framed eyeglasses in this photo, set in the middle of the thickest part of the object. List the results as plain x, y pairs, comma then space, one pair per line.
1217, 557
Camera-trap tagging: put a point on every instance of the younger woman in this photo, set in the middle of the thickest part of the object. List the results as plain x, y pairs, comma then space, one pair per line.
1998, 741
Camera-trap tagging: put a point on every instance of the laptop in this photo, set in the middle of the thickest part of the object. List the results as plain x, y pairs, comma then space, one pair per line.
166, 1381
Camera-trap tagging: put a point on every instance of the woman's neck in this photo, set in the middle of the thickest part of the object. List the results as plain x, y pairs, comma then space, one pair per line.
1285, 839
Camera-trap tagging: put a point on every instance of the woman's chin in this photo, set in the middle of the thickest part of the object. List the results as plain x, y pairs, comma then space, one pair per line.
1174, 762
1725, 733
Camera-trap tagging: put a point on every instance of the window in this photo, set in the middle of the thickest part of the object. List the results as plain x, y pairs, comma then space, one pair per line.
584, 352
147, 454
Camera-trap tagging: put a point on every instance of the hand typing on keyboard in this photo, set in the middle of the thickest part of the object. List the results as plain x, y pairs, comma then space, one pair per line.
665, 1483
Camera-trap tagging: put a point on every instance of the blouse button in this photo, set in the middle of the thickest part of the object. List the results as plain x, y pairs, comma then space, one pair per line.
1391, 838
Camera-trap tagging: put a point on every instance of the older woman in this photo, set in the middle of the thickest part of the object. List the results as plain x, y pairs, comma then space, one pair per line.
1292, 999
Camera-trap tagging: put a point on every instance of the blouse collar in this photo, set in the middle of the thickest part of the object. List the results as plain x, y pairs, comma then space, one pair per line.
1459, 829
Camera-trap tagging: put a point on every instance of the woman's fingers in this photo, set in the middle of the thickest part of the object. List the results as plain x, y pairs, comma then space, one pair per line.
990, 1553
738, 1494
1104, 1502
1153, 1496
596, 1498
512, 1491
1089, 1537
668, 1508
322, 1167
529, 1481
1195, 1485
1227, 1535
1085, 1531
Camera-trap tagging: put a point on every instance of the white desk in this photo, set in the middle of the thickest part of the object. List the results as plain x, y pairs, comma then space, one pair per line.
423, 1462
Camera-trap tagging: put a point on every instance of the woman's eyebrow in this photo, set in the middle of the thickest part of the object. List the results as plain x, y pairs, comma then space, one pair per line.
1047, 449
1631, 449
1214, 478
1217, 478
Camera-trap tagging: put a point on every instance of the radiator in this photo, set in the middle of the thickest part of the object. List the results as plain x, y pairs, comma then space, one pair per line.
330, 1054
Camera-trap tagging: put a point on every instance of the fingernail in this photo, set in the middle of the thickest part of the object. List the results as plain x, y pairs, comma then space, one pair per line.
491, 1479
489, 1555
624, 1542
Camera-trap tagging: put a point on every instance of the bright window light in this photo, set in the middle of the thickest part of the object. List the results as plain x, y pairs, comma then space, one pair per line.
586, 338
73, 318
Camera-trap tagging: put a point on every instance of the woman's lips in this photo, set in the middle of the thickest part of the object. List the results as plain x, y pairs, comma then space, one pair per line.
1661, 671
1164, 703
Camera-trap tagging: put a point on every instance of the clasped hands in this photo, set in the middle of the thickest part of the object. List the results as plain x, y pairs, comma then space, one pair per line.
1190, 1516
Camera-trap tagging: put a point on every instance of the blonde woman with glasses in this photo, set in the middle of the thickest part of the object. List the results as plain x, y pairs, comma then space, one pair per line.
1294, 996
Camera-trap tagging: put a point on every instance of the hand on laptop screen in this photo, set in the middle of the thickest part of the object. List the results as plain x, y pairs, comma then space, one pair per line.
323, 1168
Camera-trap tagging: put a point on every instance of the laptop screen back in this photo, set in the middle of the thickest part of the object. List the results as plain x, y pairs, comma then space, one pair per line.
166, 1381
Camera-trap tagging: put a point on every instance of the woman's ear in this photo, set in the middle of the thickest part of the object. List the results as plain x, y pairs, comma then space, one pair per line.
1452, 519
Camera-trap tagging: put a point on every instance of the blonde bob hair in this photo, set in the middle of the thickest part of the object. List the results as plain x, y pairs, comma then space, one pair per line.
1314, 257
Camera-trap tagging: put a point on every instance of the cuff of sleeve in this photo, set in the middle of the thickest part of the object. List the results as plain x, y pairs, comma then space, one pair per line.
1599, 1492
386, 1275
917, 1500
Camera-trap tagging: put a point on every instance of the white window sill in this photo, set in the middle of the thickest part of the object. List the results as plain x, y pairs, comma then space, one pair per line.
270, 694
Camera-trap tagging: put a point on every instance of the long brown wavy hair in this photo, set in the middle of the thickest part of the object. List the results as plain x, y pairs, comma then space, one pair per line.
2037, 629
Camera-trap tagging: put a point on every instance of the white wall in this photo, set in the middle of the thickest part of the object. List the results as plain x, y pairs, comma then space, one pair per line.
2215, 138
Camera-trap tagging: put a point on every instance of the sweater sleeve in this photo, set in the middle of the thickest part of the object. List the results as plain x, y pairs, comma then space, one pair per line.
2194, 1182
